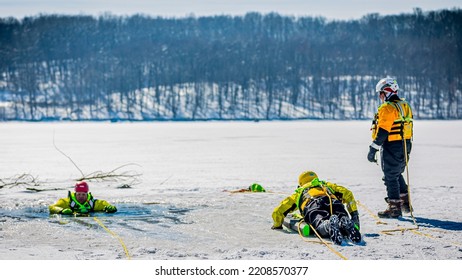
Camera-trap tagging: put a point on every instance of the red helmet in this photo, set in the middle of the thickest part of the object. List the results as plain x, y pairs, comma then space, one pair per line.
81, 187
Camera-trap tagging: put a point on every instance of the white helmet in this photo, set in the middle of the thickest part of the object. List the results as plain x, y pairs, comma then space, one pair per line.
388, 86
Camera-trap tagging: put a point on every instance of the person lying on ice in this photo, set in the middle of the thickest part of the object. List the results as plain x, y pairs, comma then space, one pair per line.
81, 202
321, 205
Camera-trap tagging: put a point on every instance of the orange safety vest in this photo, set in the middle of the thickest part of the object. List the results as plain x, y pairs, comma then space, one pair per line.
402, 125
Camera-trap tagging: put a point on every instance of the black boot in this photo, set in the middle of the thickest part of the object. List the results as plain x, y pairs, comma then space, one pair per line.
393, 210
334, 230
405, 206
348, 229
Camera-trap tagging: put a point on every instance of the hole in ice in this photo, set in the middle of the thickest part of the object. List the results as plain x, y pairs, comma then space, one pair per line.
162, 214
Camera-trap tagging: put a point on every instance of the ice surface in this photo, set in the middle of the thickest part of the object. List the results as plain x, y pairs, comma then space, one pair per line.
180, 210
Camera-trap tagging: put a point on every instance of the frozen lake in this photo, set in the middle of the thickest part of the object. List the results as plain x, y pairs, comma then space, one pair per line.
179, 210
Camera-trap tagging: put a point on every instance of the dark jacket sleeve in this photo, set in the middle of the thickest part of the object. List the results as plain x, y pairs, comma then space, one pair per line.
382, 135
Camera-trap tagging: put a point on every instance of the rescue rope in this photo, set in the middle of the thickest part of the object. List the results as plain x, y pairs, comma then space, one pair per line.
246, 191
412, 230
403, 119
327, 245
433, 237
417, 232
408, 184
277, 192
321, 240
115, 235
305, 238
387, 231
330, 204
371, 213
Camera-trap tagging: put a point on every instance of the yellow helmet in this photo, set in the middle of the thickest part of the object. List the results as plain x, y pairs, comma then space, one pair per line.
306, 177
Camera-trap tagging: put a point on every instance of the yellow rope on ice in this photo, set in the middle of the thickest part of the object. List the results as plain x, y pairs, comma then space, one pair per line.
408, 184
304, 238
411, 230
327, 245
321, 240
371, 213
433, 237
115, 235
387, 231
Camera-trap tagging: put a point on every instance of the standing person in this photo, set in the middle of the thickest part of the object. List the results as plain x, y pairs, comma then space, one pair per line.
392, 134
81, 201
321, 205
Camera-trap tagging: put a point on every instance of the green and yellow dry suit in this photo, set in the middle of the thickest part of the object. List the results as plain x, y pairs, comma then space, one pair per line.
91, 205
316, 201
391, 124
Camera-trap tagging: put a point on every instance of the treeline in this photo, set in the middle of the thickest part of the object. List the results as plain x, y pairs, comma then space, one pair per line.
223, 67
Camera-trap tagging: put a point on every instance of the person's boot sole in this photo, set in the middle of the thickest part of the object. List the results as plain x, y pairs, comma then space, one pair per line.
334, 230
349, 230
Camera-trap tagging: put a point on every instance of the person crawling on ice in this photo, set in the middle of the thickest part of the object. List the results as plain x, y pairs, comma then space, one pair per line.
322, 206
81, 201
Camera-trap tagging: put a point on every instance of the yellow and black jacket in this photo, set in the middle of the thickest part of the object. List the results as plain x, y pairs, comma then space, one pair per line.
304, 194
91, 205
392, 122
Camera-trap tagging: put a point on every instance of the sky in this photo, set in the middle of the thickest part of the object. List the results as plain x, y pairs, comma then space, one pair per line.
330, 9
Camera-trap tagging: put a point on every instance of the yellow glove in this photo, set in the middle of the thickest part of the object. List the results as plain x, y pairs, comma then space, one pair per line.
66, 211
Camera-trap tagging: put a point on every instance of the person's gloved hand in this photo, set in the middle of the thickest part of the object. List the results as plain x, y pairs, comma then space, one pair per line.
371, 154
110, 209
274, 227
355, 218
66, 211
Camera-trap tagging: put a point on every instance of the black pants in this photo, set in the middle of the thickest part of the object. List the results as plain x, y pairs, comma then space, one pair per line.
393, 165
318, 210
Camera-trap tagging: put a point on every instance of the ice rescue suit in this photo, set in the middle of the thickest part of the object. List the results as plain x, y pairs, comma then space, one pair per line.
91, 205
313, 200
392, 123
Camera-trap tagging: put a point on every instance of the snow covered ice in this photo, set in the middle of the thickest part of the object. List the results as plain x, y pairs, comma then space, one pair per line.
180, 211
